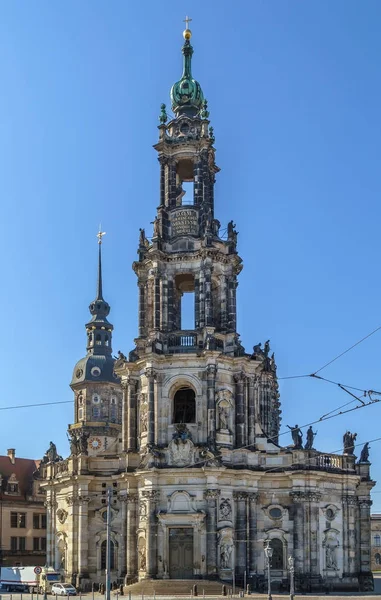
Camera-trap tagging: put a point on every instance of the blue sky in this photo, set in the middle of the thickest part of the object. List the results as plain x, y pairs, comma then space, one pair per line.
294, 96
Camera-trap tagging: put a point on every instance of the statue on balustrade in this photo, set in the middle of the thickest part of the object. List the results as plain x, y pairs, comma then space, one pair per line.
310, 438
364, 456
297, 437
349, 442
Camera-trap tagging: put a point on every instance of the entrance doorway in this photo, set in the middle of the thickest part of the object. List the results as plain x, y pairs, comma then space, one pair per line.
181, 553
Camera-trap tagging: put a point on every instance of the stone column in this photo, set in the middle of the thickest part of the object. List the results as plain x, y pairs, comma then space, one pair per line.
164, 303
122, 553
305, 520
240, 533
83, 536
211, 371
156, 301
71, 566
239, 410
232, 309
365, 576
171, 319
197, 301
142, 308
208, 298
224, 302
152, 497
198, 184
251, 411
131, 415
253, 499
50, 506
150, 374
131, 536
349, 541
201, 298
163, 161
172, 184
211, 532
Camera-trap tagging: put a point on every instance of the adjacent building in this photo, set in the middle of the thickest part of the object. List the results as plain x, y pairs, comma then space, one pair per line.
184, 431
22, 513
376, 542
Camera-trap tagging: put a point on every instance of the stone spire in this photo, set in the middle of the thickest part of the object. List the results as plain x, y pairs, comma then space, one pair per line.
99, 330
186, 95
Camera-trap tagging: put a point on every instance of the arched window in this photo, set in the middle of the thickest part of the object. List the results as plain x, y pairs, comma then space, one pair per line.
103, 555
377, 540
277, 557
113, 410
96, 412
106, 339
377, 558
184, 406
98, 339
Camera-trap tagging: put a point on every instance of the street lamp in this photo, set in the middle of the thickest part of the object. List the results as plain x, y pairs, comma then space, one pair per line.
268, 554
291, 568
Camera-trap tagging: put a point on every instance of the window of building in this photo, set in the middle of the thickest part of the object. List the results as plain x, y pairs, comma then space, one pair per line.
103, 555
43, 544
184, 406
106, 340
36, 544
96, 412
14, 544
22, 544
377, 558
43, 521
18, 519
277, 557
13, 488
377, 540
98, 340
113, 411
36, 521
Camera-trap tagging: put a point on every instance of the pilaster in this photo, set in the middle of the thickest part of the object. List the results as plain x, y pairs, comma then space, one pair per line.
211, 532
241, 498
131, 536
152, 497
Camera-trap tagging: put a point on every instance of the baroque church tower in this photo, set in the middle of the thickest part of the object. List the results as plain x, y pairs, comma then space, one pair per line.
184, 430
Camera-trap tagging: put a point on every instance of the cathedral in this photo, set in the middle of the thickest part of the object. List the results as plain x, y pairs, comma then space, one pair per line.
184, 429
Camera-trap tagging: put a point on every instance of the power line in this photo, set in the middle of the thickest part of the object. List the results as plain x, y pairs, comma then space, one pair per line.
33, 405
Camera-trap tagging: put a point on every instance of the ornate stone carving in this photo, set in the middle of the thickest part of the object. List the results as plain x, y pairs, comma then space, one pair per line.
142, 554
308, 496
181, 447
225, 509
50, 504
330, 544
211, 494
84, 499
365, 503
151, 495
132, 498
70, 500
240, 495
253, 497
225, 541
142, 510
351, 500
62, 515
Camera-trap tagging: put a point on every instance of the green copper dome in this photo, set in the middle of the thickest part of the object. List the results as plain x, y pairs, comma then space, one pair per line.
186, 94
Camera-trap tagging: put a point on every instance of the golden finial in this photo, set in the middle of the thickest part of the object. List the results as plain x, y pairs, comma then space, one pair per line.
187, 33
100, 234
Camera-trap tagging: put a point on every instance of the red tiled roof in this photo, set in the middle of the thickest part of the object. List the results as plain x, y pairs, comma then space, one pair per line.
23, 469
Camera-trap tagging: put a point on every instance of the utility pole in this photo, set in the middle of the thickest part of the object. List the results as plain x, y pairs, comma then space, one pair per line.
108, 546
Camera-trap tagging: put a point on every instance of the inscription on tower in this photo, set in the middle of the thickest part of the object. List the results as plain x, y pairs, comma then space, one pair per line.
185, 222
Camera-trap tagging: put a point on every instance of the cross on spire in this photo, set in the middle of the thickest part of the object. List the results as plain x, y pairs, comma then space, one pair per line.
187, 20
100, 234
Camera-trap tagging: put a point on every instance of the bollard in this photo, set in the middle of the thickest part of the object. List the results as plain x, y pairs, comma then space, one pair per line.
195, 591
154, 595
248, 589
121, 589
223, 592
129, 595
117, 594
203, 593
92, 593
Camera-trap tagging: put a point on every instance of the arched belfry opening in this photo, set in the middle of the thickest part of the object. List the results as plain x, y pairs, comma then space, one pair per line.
184, 183
184, 406
185, 301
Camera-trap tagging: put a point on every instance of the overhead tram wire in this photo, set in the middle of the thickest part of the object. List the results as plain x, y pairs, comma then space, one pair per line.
314, 374
33, 405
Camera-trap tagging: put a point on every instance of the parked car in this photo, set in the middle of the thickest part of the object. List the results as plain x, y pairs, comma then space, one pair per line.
63, 589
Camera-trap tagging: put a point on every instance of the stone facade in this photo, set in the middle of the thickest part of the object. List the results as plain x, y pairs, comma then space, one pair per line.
185, 429
376, 542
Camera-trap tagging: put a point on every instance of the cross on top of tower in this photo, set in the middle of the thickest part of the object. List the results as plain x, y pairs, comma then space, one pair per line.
100, 234
187, 20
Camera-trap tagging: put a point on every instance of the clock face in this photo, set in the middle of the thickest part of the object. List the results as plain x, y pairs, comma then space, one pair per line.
95, 443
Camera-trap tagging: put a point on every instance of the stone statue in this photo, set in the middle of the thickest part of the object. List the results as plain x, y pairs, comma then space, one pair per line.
223, 416
156, 227
364, 456
82, 438
310, 438
216, 227
182, 433
232, 233
142, 559
266, 349
208, 222
142, 237
163, 115
121, 356
51, 454
257, 351
225, 554
297, 437
143, 419
180, 193
331, 543
73, 443
349, 442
